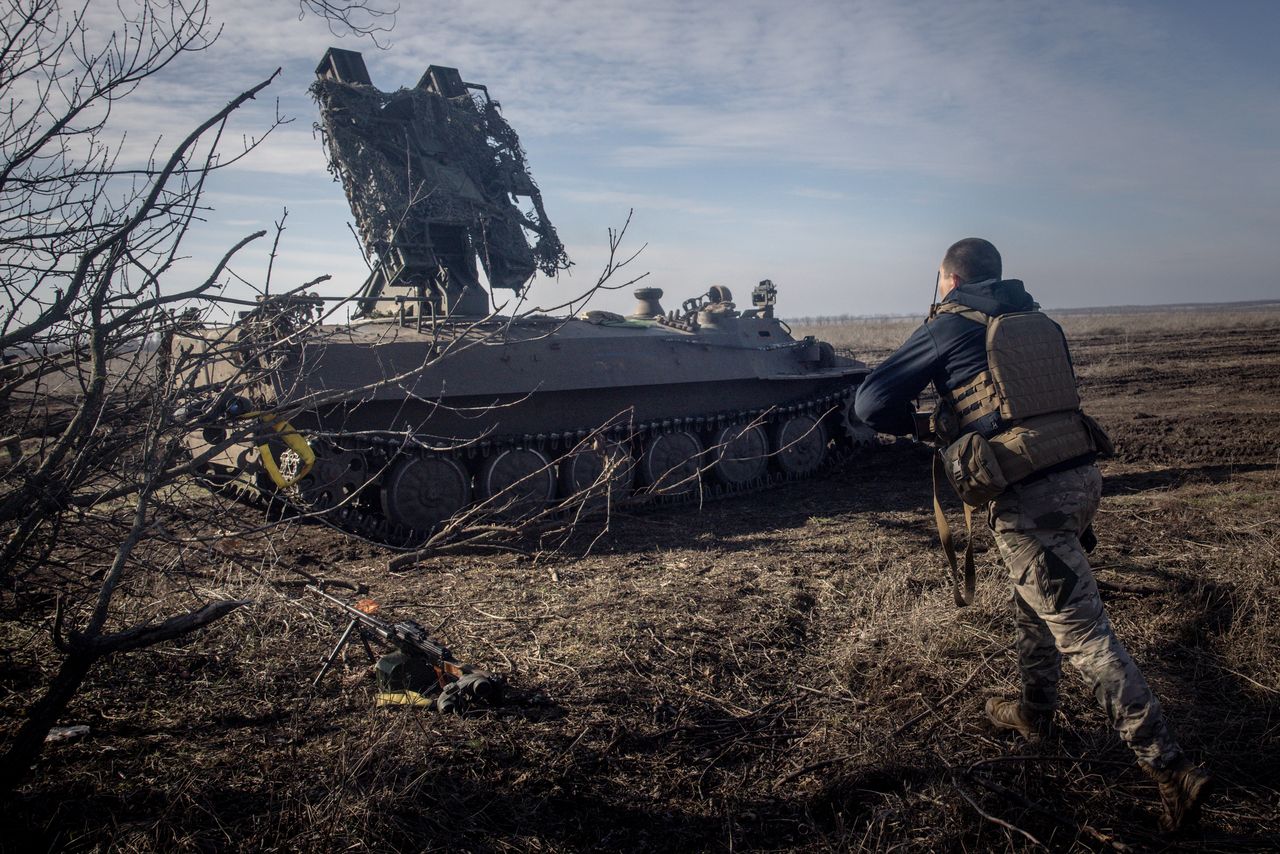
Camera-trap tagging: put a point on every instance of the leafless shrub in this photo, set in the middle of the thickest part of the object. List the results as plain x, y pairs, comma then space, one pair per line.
109, 364
90, 240
365, 18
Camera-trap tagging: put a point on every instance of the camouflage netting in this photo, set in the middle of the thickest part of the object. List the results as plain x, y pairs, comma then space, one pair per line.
411, 159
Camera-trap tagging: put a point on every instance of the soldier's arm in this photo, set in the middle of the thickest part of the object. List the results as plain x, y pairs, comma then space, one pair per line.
885, 397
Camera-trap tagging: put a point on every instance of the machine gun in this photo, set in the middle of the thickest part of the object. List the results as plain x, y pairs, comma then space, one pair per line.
418, 668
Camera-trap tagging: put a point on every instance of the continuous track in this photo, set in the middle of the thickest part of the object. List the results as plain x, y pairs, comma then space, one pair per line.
356, 503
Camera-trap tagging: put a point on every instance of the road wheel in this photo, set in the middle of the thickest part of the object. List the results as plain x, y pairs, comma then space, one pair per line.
517, 481
742, 455
422, 492
584, 468
800, 443
670, 463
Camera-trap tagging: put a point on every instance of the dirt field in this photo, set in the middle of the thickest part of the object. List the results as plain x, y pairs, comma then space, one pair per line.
784, 671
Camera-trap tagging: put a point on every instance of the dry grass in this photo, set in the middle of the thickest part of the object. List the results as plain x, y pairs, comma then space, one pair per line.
771, 673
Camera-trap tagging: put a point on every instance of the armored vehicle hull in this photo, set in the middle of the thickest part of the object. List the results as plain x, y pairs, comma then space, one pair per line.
430, 408
544, 376
411, 426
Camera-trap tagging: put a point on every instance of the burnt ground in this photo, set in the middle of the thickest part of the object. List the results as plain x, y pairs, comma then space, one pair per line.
775, 672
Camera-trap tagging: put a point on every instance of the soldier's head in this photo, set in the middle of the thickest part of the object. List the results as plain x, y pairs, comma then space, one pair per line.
970, 260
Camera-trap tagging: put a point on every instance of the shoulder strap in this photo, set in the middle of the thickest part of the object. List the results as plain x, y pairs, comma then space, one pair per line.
956, 308
963, 594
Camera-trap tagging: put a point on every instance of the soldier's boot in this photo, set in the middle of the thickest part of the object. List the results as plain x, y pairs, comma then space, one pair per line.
1031, 724
1183, 787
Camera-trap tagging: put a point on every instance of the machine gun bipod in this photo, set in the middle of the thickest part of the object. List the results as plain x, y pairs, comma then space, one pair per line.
420, 671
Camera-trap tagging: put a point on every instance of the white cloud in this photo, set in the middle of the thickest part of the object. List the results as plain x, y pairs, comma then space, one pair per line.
818, 193
621, 200
973, 87
1041, 104
978, 92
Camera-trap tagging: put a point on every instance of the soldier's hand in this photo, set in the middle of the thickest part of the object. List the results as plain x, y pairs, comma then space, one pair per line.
923, 431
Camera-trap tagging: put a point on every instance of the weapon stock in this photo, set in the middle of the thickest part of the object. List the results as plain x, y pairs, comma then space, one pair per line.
419, 666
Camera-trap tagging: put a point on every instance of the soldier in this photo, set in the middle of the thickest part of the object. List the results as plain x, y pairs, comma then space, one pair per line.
1021, 445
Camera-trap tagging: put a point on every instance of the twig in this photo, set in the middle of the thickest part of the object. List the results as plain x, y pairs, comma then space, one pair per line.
915, 720
719, 701
855, 700
1215, 662
1027, 803
499, 651
1251, 680
271, 259
1115, 587
812, 766
500, 618
1041, 757
568, 667
993, 819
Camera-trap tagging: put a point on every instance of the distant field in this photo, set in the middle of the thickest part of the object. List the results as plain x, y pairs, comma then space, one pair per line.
873, 338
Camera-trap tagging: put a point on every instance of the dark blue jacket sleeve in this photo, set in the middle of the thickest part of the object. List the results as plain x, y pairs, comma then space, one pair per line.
885, 397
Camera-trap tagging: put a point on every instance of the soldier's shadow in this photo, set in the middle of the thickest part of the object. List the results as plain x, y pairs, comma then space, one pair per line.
1144, 481
1220, 714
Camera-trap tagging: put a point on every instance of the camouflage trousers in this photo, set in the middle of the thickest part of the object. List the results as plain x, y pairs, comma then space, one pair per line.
1059, 613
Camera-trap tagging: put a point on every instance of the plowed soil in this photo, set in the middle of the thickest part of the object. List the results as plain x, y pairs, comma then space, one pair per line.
783, 671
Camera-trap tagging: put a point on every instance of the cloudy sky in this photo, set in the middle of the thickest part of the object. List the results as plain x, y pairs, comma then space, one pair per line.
1117, 153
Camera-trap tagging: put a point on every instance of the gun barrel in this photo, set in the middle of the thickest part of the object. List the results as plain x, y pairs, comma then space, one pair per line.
403, 634
409, 632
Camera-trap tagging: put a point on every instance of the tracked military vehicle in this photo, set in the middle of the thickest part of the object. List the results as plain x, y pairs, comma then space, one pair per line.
432, 403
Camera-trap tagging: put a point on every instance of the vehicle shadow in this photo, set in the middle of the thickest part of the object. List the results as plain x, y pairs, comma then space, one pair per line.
892, 483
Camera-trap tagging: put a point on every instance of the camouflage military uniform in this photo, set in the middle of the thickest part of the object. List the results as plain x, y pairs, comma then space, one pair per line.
1058, 612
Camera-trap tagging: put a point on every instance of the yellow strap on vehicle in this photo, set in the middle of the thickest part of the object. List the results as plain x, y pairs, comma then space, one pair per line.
296, 443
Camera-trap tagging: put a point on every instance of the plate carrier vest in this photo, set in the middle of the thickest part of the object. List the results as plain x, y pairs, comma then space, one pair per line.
1025, 403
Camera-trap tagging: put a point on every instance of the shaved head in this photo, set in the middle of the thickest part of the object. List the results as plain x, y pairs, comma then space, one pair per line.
972, 260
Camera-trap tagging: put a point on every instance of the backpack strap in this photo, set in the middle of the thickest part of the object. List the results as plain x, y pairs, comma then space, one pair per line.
963, 591
956, 308
963, 576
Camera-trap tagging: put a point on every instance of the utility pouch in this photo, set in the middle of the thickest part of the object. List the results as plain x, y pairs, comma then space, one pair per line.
972, 469
1101, 441
1038, 443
